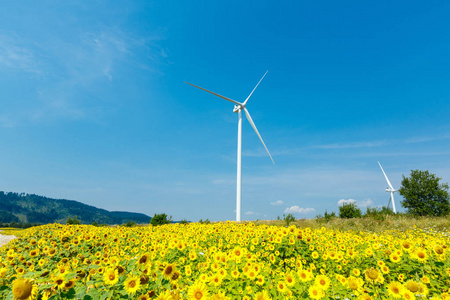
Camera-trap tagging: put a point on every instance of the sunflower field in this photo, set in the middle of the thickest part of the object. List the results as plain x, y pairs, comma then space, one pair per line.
223, 261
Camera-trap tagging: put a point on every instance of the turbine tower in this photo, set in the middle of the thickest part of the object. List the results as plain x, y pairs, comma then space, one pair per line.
238, 108
390, 189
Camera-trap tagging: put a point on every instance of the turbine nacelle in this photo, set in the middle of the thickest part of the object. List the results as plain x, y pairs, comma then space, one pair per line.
237, 108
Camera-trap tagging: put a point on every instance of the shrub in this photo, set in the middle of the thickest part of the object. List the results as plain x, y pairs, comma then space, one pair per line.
349, 210
130, 224
288, 218
378, 213
73, 221
160, 219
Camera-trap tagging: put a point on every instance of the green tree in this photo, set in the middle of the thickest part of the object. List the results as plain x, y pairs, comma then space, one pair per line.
349, 210
160, 219
424, 195
288, 218
73, 221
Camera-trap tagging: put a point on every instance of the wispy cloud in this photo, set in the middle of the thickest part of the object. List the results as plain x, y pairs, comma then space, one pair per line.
251, 213
298, 209
276, 203
7, 122
352, 145
72, 70
364, 203
15, 54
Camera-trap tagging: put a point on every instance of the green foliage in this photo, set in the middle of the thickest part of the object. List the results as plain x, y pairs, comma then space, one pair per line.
424, 195
288, 218
29, 208
160, 219
207, 221
184, 221
73, 221
327, 217
130, 224
7, 217
349, 210
378, 213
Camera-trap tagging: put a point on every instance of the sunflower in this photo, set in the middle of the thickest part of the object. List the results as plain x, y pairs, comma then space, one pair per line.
216, 279
282, 287
408, 295
164, 296
22, 289
421, 255
322, 281
262, 296
219, 296
145, 258
198, 291
304, 275
364, 297
260, 280
394, 257
290, 279
371, 274
3, 272
111, 276
132, 284
69, 284
395, 289
315, 292
412, 286
59, 281
168, 270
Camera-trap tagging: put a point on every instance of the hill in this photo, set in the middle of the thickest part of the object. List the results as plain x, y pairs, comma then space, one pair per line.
29, 208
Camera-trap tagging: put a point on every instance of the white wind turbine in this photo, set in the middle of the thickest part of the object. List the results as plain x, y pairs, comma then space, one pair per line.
238, 108
389, 189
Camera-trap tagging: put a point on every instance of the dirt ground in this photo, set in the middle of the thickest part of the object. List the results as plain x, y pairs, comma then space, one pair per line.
4, 239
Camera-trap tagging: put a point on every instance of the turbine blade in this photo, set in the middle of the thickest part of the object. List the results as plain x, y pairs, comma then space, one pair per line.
245, 102
389, 183
223, 97
247, 114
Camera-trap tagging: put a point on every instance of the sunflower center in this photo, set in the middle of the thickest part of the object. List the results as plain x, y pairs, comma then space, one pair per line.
169, 270
198, 295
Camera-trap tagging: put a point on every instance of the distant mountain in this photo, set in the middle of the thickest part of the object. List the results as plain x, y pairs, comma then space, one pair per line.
28, 208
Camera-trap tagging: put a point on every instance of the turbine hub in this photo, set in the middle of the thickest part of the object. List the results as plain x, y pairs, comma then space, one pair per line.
237, 108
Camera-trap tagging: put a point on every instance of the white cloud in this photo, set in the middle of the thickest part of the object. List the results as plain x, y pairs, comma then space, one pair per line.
343, 201
300, 210
278, 202
366, 203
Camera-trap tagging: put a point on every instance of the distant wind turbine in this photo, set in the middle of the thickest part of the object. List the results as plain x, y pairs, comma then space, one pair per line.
238, 108
390, 189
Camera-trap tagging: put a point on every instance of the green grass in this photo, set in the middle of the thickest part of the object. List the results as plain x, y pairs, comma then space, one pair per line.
399, 222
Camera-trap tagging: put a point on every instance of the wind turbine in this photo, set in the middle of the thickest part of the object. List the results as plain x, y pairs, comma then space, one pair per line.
238, 108
389, 189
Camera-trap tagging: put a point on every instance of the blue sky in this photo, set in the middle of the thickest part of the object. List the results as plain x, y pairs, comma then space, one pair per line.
94, 107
